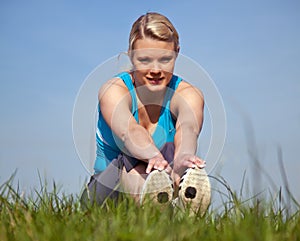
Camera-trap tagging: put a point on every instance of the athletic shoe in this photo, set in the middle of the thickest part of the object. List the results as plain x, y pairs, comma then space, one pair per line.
157, 189
194, 191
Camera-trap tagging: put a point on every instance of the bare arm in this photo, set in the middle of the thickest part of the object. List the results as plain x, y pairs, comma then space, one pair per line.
187, 105
115, 105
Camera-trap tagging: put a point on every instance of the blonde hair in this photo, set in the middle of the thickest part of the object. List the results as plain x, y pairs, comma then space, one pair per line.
155, 26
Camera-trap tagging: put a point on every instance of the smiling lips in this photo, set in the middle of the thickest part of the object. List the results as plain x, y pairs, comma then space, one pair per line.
155, 81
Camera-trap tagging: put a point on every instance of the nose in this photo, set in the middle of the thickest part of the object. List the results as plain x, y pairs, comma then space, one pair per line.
155, 68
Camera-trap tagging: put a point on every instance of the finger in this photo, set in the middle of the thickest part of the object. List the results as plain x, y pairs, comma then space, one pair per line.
161, 165
164, 164
189, 164
150, 166
201, 166
199, 162
193, 160
157, 165
168, 169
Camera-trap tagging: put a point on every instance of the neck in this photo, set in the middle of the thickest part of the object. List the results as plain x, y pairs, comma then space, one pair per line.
150, 97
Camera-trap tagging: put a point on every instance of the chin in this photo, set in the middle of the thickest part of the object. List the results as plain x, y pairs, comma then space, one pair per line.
156, 88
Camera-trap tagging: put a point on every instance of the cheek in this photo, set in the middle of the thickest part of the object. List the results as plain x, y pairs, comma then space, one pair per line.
169, 70
138, 67
140, 72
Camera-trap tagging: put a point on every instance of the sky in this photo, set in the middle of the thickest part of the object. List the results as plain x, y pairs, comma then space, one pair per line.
250, 49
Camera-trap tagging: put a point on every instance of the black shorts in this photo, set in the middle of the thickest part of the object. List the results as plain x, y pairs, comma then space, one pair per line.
106, 184
130, 162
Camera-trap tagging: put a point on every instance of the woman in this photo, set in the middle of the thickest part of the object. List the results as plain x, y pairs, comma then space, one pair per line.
149, 123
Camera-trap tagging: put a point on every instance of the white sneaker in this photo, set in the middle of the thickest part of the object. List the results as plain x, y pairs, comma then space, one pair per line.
194, 191
158, 188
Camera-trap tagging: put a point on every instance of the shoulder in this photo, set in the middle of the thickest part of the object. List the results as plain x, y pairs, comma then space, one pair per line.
185, 88
187, 95
114, 88
115, 84
189, 92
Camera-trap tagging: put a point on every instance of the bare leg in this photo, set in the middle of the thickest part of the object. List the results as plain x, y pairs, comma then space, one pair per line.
176, 180
132, 182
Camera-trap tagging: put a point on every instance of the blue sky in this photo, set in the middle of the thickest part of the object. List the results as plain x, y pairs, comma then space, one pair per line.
251, 49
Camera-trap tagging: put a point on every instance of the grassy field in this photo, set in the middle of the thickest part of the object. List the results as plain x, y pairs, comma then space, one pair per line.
54, 216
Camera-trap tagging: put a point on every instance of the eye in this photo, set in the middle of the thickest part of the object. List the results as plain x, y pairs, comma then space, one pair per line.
144, 60
165, 59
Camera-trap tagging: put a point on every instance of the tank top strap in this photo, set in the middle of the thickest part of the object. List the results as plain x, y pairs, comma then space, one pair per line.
175, 82
125, 76
171, 89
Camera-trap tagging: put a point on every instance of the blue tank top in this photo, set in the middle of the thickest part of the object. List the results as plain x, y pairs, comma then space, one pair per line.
109, 146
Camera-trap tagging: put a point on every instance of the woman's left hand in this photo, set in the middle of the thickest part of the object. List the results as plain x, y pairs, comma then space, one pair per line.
184, 162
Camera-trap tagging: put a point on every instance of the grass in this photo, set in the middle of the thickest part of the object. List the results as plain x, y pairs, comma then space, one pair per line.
51, 215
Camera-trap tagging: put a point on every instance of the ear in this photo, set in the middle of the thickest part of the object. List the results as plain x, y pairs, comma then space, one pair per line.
130, 54
177, 50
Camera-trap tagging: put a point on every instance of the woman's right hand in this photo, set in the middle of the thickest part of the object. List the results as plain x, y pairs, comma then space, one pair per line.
158, 163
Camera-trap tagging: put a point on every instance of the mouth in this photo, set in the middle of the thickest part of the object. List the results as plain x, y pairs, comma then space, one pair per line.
155, 81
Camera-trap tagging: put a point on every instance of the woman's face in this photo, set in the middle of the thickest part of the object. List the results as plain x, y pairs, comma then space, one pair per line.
153, 63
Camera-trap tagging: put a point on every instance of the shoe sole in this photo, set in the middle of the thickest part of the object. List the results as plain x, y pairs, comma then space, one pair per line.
194, 191
158, 188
